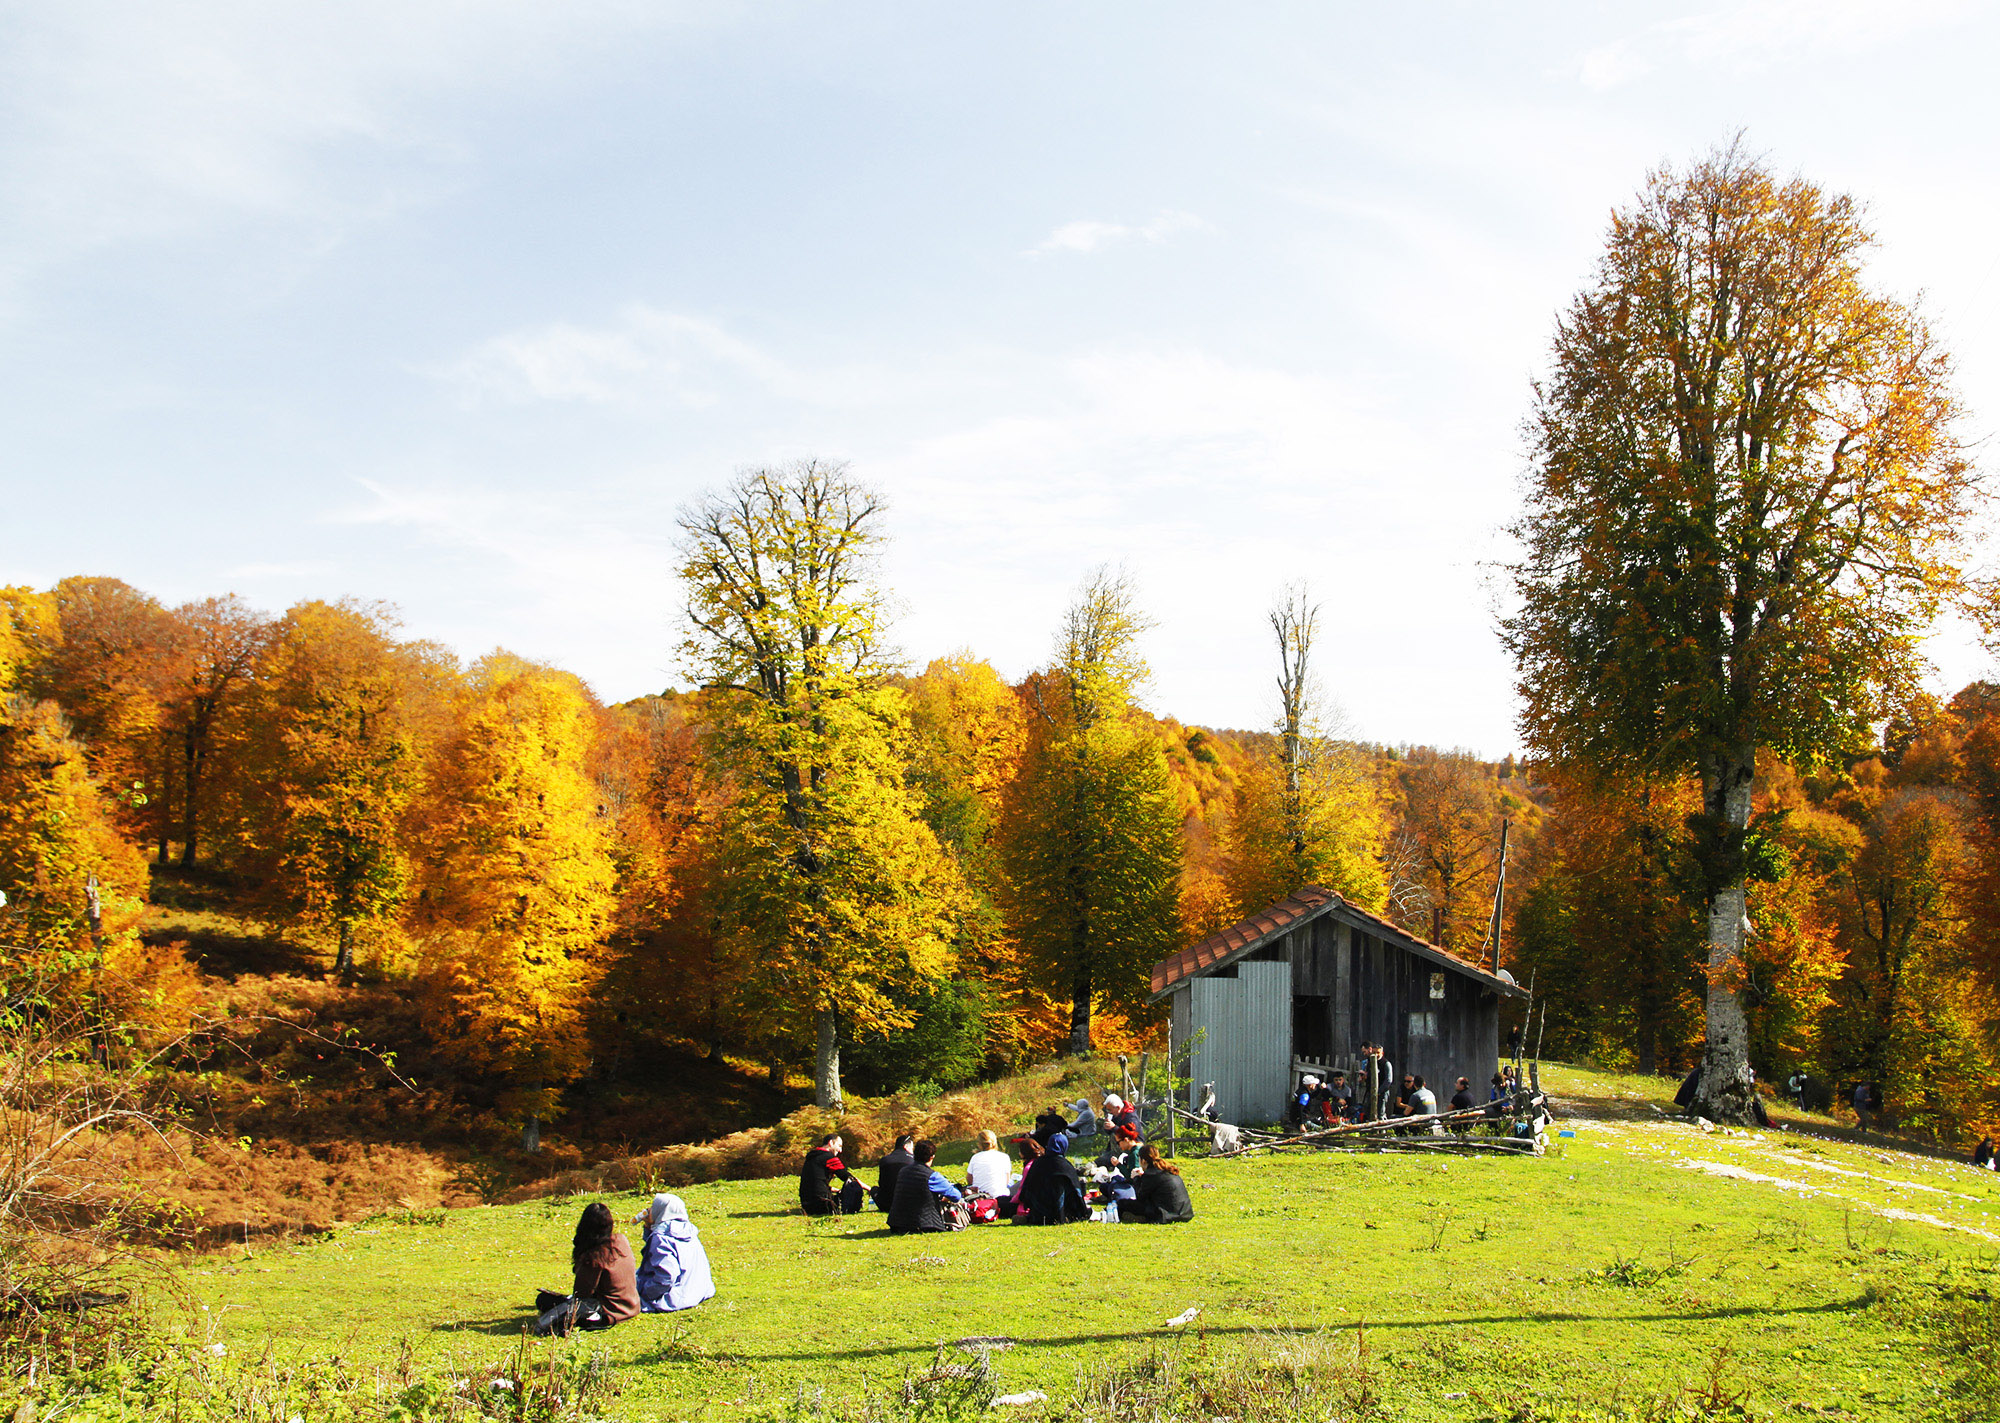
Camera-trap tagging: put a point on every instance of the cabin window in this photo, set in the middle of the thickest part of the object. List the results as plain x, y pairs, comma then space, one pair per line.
1228, 972
1423, 1025
1437, 985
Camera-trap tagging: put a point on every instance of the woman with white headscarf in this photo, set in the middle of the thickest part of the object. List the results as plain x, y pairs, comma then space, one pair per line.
673, 1272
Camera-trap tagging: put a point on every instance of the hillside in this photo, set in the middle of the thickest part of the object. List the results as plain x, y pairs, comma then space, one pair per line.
1645, 1268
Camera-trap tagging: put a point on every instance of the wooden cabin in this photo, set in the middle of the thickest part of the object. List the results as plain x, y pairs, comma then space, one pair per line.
1298, 987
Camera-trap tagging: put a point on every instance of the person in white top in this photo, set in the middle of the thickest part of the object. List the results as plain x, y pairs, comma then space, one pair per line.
991, 1170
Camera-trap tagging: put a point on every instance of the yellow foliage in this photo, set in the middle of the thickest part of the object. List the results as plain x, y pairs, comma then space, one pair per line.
517, 879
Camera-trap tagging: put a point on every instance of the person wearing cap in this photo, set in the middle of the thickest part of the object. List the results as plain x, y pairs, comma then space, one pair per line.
674, 1272
1300, 1108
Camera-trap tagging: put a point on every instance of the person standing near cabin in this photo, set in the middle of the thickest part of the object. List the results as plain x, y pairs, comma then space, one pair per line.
1381, 1084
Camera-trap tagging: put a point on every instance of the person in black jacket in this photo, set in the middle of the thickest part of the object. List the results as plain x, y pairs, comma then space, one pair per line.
1053, 1192
822, 1168
921, 1193
887, 1170
1049, 1123
1160, 1196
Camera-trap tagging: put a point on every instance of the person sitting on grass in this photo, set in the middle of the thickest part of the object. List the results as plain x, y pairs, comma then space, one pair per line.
604, 1288
673, 1268
1982, 1154
822, 1168
1052, 1191
1303, 1103
1085, 1123
888, 1168
1119, 1113
1424, 1103
1015, 1205
1461, 1101
989, 1172
925, 1203
1122, 1154
1337, 1101
1049, 1123
1159, 1196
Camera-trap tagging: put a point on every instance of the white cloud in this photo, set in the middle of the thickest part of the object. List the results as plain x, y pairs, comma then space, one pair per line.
645, 354
1090, 236
1751, 38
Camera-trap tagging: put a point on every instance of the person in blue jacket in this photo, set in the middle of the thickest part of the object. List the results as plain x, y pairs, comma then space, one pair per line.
673, 1271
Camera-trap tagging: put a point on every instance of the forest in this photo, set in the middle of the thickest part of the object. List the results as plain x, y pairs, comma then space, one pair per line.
550, 905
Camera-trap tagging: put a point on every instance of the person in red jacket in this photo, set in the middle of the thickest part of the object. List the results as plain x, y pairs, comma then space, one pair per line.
605, 1286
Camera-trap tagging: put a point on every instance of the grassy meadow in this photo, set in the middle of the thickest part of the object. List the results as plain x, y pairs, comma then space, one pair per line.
1645, 1268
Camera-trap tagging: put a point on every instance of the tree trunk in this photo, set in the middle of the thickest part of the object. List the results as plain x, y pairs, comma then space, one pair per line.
531, 1136
190, 782
1726, 1088
1079, 1015
343, 960
826, 1062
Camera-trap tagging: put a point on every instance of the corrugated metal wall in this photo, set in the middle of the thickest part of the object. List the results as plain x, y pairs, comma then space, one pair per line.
1245, 1024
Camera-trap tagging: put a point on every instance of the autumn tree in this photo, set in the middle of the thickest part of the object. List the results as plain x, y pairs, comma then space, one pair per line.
834, 889
1449, 812
108, 669
1091, 842
56, 834
330, 762
216, 646
1743, 511
1909, 1016
515, 884
1309, 813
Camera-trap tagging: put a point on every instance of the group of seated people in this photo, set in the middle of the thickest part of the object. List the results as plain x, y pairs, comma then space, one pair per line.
1130, 1180
608, 1287
1333, 1101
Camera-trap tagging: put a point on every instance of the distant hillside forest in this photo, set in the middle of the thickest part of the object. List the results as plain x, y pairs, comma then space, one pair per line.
897, 879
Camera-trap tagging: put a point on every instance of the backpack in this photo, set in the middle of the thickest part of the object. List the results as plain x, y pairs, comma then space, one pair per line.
985, 1210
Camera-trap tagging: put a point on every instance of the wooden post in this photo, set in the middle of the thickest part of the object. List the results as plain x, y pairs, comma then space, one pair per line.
1172, 1096
1124, 1077
1140, 1106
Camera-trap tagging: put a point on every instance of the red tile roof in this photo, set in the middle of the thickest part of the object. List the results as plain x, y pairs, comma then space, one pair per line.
1247, 934
1242, 935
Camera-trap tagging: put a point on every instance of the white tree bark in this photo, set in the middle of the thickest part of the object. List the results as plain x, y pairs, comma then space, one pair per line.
1726, 1085
826, 1062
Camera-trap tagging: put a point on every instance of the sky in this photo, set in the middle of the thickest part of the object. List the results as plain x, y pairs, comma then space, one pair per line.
454, 305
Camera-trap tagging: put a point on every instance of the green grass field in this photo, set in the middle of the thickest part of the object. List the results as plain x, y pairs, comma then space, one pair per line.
1643, 1268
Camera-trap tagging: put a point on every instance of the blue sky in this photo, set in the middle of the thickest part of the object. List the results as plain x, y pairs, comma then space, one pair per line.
454, 305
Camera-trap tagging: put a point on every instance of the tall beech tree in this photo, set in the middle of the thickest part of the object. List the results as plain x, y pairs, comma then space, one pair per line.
1091, 839
833, 887
1743, 510
1309, 813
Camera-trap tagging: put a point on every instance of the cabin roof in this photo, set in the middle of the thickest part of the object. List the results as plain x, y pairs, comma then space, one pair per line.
1246, 936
